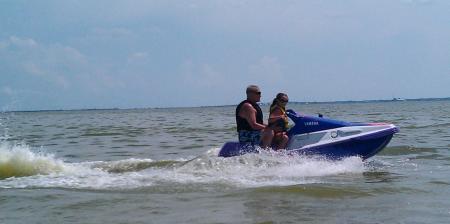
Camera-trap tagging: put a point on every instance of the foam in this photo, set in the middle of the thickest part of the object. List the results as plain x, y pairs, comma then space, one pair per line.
18, 160
270, 169
26, 169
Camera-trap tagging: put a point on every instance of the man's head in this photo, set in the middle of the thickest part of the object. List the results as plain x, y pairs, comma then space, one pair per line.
253, 93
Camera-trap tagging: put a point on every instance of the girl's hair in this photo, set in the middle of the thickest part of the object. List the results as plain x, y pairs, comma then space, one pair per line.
278, 97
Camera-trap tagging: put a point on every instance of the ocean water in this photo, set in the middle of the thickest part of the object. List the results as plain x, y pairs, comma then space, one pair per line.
161, 166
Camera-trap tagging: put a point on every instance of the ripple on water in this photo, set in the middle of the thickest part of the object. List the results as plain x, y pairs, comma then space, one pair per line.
442, 183
71, 156
125, 140
133, 165
138, 145
167, 146
433, 156
192, 146
99, 133
381, 177
405, 150
438, 126
318, 191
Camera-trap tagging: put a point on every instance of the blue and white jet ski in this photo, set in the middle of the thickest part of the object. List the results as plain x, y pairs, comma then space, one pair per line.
333, 139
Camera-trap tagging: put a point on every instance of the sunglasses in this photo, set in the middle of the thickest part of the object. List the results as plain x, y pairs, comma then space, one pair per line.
257, 93
283, 101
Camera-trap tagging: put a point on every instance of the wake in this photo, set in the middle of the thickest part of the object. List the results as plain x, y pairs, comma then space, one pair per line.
23, 167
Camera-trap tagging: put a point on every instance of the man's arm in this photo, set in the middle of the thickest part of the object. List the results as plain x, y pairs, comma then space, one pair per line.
249, 113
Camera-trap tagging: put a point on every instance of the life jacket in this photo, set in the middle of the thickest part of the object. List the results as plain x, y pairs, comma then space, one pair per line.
283, 123
242, 123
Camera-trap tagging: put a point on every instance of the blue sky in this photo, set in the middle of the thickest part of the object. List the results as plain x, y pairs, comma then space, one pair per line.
103, 54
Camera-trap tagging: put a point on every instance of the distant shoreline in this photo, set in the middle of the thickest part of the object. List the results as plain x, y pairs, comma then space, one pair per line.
264, 103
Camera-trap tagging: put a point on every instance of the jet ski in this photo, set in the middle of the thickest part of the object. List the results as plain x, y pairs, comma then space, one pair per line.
319, 136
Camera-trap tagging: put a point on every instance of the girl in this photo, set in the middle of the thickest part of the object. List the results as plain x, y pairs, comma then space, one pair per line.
278, 121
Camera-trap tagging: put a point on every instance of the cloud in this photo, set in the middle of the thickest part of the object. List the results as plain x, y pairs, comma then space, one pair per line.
267, 68
126, 52
3, 44
7, 90
102, 35
22, 42
53, 63
268, 72
419, 2
201, 75
52, 73
62, 66
36, 69
138, 58
204, 83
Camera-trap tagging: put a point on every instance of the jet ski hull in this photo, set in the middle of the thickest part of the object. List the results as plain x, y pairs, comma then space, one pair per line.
330, 138
352, 147
337, 150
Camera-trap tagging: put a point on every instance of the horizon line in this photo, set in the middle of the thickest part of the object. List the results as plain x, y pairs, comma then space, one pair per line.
262, 103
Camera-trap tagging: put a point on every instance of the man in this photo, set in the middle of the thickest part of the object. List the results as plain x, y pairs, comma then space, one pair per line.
249, 120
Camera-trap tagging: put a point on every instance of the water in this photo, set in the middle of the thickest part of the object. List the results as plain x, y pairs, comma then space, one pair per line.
161, 166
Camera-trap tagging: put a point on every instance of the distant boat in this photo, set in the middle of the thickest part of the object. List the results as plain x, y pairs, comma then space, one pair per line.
398, 99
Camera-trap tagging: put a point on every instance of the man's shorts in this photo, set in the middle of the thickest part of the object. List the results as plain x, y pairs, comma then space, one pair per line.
250, 137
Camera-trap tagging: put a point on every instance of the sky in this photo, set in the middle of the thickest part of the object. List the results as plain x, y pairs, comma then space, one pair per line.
148, 53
